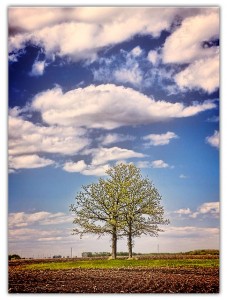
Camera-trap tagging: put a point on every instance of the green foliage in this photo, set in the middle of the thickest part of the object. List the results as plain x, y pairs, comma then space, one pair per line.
124, 204
123, 263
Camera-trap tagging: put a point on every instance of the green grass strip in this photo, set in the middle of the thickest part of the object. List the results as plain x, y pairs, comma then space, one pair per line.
119, 263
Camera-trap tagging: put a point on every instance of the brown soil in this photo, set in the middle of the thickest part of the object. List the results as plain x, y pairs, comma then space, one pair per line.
123, 280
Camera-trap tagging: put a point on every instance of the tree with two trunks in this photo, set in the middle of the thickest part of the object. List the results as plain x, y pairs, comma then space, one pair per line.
122, 205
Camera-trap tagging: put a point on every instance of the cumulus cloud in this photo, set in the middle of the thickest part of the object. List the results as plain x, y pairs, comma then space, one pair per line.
28, 162
85, 169
183, 211
38, 68
185, 45
37, 226
153, 57
108, 107
28, 138
159, 164
100, 157
214, 139
112, 138
89, 170
192, 43
27, 141
207, 209
159, 139
22, 219
202, 74
78, 166
103, 155
137, 51
80, 33
69, 115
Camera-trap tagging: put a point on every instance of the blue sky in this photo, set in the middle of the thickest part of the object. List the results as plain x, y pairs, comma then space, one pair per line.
91, 87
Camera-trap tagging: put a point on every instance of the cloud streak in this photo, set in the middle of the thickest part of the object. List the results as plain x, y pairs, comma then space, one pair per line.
214, 139
159, 139
207, 209
28, 162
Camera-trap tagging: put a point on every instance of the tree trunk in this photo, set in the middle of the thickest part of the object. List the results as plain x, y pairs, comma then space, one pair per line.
130, 242
114, 243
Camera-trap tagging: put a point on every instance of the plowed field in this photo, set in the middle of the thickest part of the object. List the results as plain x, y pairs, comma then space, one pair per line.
114, 280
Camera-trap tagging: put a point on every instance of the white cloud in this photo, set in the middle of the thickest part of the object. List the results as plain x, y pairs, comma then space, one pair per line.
80, 33
129, 70
29, 18
156, 164
159, 139
214, 139
83, 168
28, 162
159, 164
123, 67
28, 138
75, 167
102, 155
207, 209
132, 75
38, 68
115, 138
185, 44
108, 106
93, 170
153, 57
203, 74
196, 232
137, 51
22, 219
183, 211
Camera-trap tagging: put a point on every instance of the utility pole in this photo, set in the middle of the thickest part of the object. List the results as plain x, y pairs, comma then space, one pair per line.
158, 248
71, 252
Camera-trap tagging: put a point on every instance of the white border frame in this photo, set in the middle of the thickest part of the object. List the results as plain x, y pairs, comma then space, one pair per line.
4, 134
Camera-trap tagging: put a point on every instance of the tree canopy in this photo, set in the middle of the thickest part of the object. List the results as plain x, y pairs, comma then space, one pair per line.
123, 204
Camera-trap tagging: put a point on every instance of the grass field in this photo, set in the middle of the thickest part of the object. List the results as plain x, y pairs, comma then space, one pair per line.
119, 263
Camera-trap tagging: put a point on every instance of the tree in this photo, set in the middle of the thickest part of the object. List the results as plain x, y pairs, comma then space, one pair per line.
142, 212
124, 204
97, 209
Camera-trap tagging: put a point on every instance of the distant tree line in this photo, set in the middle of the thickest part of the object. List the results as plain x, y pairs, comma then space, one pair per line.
106, 254
13, 256
203, 252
